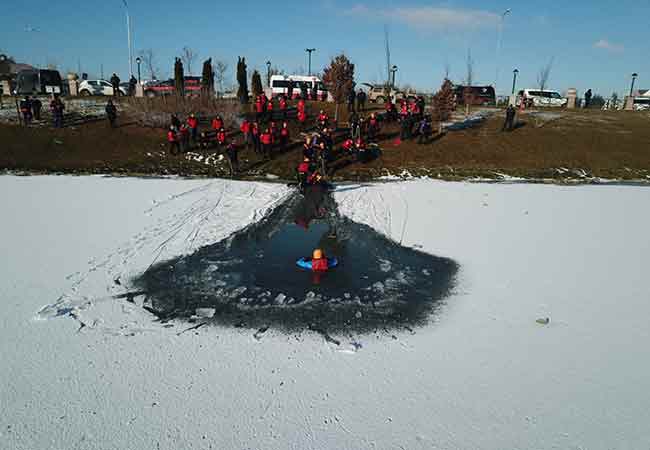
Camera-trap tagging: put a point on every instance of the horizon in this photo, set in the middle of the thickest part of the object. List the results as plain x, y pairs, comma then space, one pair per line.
587, 47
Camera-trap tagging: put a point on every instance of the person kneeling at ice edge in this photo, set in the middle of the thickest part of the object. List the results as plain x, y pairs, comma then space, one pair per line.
318, 262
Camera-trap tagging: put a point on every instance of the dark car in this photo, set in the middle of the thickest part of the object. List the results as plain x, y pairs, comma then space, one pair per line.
475, 95
36, 81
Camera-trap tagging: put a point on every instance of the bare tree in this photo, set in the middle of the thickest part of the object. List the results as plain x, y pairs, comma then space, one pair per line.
149, 60
188, 56
220, 68
543, 75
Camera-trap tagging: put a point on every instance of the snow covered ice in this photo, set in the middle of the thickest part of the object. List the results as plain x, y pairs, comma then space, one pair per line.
83, 367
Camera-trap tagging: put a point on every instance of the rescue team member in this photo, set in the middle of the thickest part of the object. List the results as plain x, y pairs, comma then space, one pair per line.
347, 145
301, 105
217, 123
302, 118
115, 82
245, 129
282, 104
185, 137
302, 172
259, 108
308, 149
269, 109
193, 124
322, 119
255, 136
373, 127
284, 135
111, 113
221, 136
267, 142
26, 110
172, 139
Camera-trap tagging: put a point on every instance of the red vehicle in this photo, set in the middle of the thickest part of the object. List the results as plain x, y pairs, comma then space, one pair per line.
157, 88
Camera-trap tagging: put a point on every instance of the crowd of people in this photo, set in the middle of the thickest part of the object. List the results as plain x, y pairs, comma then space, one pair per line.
30, 109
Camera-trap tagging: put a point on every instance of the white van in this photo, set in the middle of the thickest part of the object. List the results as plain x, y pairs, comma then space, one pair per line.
280, 85
538, 97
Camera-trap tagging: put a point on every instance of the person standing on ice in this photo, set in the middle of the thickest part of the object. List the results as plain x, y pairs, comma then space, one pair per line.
111, 113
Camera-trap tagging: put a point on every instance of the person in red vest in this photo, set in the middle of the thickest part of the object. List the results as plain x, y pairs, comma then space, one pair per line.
415, 110
322, 119
347, 145
302, 117
283, 106
267, 141
221, 136
301, 105
302, 172
284, 135
269, 109
255, 137
360, 149
217, 123
172, 140
259, 108
185, 137
245, 129
193, 124
373, 127
391, 111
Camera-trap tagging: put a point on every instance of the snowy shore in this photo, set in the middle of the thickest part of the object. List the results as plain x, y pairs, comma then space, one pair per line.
81, 369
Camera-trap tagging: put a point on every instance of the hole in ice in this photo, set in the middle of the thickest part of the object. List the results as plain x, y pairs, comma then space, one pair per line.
251, 279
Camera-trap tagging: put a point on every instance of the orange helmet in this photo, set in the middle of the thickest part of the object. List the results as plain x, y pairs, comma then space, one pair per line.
318, 254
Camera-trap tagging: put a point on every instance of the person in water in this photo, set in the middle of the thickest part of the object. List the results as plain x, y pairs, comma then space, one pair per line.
318, 263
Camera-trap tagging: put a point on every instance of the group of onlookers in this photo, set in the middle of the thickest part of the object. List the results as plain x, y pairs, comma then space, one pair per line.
30, 109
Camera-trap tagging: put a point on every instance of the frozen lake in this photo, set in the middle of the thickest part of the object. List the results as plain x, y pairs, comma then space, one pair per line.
84, 367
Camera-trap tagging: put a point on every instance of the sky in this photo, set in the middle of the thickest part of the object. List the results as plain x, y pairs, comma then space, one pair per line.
589, 44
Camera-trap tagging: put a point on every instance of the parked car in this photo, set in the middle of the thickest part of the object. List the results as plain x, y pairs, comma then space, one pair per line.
35, 81
156, 88
100, 87
477, 95
538, 97
376, 93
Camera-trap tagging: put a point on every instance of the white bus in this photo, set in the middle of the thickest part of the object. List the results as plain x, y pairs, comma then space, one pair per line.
280, 85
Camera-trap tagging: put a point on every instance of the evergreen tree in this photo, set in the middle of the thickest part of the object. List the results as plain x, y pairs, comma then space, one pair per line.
207, 77
242, 80
339, 78
256, 83
444, 102
179, 78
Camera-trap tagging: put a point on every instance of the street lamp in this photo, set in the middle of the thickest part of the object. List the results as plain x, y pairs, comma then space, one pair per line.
392, 71
498, 52
268, 73
138, 61
309, 50
634, 75
514, 80
128, 37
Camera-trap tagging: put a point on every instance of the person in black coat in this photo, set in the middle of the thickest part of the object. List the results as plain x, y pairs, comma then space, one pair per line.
588, 96
233, 158
361, 100
352, 97
111, 113
36, 108
115, 82
132, 83
510, 119
26, 110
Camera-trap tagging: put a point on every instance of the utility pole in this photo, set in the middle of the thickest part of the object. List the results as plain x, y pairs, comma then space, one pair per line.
128, 36
309, 50
498, 50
